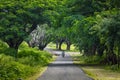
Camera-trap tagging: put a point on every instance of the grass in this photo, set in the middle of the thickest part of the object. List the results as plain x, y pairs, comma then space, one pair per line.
95, 71
51, 45
38, 74
99, 73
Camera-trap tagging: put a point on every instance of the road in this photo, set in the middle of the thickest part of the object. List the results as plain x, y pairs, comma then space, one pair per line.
63, 69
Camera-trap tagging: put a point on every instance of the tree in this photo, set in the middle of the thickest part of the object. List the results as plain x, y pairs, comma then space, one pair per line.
68, 32
86, 37
88, 8
19, 18
41, 36
110, 32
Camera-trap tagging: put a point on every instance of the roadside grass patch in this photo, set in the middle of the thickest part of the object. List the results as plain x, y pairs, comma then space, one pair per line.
95, 70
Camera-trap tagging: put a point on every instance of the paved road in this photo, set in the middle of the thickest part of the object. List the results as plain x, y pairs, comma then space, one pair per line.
63, 69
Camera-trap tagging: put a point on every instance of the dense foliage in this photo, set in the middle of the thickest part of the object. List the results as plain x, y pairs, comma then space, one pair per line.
30, 61
19, 18
93, 26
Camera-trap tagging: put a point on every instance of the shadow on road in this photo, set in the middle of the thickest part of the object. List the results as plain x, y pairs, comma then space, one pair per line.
62, 65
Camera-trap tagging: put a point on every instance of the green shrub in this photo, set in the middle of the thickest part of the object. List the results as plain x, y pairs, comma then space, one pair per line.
30, 61
4, 48
33, 58
12, 70
3, 45
23, 45
9, 51
91, 59
15, 70
113, 67
33, 54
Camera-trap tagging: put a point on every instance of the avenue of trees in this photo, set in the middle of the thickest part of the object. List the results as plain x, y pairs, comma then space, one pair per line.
93, 26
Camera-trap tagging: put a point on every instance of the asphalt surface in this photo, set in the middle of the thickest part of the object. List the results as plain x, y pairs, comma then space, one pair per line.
63, 69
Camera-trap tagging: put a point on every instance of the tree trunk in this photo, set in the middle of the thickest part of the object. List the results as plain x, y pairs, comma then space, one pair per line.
15, 51
14, 45
93, 50
41, 47
68, 46
60, 44
57, 44
100, 49
86, 52
118, 56
111, 58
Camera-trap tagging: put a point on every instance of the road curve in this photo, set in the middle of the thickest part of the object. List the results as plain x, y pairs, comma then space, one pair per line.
63, 69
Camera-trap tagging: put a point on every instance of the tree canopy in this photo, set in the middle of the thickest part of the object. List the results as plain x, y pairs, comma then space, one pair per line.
19, 18
91, 25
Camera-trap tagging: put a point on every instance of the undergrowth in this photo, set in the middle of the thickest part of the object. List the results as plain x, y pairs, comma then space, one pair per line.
97, 60
30, 61
93, 67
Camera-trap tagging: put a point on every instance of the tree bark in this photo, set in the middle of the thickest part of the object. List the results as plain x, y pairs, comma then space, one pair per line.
118, 57
68, 46
42, 46
111, 58
100, 49
57, 44
93, 50
60, 45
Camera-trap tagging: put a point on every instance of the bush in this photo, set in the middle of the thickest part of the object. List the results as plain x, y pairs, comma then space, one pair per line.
3, 45
34, 57
113, 67
12, 70
92, 59
4, 48
23, 45
30, 61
